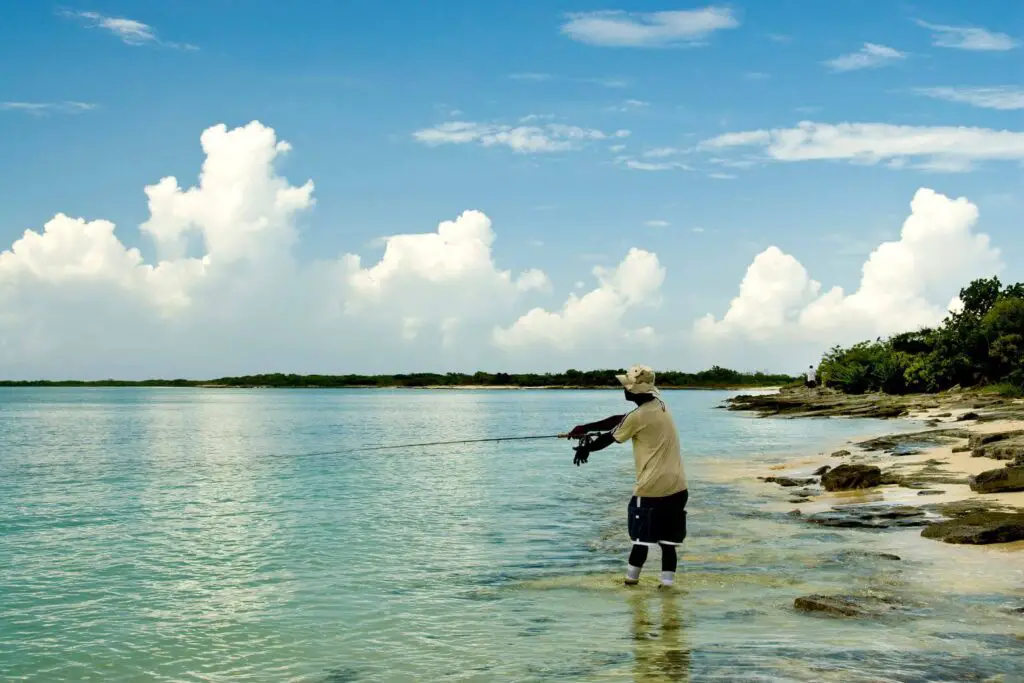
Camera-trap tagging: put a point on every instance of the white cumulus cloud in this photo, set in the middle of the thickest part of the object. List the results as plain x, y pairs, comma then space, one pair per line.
225, 293
905, 284
597, 316
241, 208
459, 252
613, 28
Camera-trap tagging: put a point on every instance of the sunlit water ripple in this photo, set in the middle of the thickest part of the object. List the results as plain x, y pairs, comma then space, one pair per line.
174, 535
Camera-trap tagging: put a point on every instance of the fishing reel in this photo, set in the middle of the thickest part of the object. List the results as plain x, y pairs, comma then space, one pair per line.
582, 448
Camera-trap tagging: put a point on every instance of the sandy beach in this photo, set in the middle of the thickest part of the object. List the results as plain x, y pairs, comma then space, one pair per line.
947, 469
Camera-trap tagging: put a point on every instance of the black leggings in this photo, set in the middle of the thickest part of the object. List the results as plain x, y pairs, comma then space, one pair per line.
638, 555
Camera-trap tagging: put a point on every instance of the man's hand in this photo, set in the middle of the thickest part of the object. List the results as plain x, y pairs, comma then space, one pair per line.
582, 453
577, 432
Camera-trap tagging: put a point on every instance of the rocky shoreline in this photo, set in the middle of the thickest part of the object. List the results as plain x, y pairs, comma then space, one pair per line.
961, 480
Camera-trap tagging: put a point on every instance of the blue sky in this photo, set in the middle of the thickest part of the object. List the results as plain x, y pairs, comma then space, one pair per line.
97, 108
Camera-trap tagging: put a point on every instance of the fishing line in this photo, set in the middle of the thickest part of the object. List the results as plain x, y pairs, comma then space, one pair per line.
362, 449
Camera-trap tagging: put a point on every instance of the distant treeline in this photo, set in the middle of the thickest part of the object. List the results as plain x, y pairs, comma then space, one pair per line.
595, 379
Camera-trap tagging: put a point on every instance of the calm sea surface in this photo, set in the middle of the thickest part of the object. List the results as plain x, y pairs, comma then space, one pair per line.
182, 535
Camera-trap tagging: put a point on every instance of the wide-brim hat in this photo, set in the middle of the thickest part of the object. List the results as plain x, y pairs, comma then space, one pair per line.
639, 379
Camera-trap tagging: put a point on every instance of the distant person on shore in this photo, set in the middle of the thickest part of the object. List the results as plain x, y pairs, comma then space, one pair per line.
811, 380
657, 510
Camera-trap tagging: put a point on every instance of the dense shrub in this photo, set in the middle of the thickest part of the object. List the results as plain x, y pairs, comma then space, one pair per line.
981, 344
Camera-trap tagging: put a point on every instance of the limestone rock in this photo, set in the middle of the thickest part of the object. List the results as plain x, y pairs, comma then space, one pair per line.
979, 528
845, 605
848, 477
787, 481
1002, 480
870, 517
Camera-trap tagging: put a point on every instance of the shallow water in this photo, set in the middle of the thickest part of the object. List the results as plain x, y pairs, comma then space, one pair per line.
168, 534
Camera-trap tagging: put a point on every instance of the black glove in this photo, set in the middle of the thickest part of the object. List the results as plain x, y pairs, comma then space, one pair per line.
583, 450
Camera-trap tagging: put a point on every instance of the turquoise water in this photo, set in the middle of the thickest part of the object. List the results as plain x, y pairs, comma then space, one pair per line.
176, 535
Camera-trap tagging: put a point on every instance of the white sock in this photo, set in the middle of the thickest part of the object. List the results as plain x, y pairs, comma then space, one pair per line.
633, 573
666, 578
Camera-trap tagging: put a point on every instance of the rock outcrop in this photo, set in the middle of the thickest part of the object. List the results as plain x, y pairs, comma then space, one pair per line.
1007, 445
979, 528
870, 517
1002, 480
849, 477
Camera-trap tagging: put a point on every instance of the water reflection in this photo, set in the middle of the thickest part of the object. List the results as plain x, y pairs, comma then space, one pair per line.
661, 649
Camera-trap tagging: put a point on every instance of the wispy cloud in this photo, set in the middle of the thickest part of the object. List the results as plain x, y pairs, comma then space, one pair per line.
525, 139
756, 76
933, 148
534, 77
44, 108
733, 163
968, 38
657, 223
1004, 97
722, 176
629, 105
780, 38
616, 28
540, 77
606, 82
130, 31
638, 165
662, 152
868, 57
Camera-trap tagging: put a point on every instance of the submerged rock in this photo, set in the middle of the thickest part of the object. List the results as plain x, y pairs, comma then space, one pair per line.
870, 517
841, 454
845, 605
931, 492
821, 470
903, 442
787, 481
967, 416
980, 528
1003, 480
853, 554
848, 477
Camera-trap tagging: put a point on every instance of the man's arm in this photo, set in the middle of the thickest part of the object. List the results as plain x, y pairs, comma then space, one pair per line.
604, 425
590, 445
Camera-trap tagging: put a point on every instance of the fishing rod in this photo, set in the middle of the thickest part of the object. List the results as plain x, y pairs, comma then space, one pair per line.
440, 443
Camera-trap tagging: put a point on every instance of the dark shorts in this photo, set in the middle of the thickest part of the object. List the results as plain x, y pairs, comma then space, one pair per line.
658, 520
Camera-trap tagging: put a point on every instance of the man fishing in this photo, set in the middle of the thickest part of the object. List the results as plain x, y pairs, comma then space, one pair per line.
657, 510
